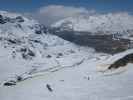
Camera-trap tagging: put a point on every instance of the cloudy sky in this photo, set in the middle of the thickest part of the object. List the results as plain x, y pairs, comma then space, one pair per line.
49, 11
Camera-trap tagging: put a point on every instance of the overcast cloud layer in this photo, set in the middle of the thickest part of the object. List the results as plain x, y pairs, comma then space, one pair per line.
52, 13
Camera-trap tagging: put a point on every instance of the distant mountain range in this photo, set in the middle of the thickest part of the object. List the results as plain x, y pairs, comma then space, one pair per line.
110, 23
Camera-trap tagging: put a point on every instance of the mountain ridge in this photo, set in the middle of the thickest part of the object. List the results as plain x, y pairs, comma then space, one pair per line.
109, 23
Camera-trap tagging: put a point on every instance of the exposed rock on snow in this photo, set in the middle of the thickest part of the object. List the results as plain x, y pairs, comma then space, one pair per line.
10, 83
118, 61
122, 62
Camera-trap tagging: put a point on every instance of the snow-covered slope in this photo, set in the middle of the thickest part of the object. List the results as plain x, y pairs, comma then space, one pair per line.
110, 23
81, 82
33, 62
25, 36
28, 50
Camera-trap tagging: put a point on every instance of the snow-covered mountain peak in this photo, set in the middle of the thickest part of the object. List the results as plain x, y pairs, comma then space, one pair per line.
16, 24
7, 14
25, 37
104, 23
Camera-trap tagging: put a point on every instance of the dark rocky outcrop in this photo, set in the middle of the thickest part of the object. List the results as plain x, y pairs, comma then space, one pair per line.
10, 83
19, 19
40, 29
2, 21
48, 56
13, 41
27, 53
59, 55
122, 62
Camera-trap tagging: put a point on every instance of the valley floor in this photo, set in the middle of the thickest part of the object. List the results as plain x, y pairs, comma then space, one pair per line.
82, 82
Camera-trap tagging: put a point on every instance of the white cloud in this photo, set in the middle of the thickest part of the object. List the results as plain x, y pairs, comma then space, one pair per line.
52, 13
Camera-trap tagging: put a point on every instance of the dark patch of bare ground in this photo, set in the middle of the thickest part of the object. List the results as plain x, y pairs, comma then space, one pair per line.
122, 62
101, 43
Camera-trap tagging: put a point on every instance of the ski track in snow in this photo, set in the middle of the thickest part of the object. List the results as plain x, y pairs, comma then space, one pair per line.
73, 84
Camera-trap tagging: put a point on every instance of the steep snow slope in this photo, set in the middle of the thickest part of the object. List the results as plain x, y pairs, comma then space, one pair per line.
110, 23
28, 50
25, 36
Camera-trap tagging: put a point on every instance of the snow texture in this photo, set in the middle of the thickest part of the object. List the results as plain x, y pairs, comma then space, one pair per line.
40, 62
